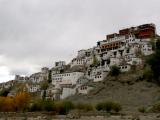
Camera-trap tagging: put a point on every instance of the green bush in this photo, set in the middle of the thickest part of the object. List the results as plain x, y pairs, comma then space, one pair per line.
4, 92
148, 73
109, 106
63, 107
142, 109
42, 105
116, 107
48, 105
84, 106
99, 106
156, 107
154, 62
115, 71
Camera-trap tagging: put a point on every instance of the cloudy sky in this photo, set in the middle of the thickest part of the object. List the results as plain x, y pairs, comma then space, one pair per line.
36, 33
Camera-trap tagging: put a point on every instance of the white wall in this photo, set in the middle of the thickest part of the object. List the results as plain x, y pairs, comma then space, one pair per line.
66, 92
114, 61
33, 88
66, 78
84, 89
77, 62
146, 49
125, 68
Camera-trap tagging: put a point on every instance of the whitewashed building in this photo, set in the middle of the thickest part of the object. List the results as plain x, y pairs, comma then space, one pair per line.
60, 64
33, 87
66, 78
77, 62
84, 89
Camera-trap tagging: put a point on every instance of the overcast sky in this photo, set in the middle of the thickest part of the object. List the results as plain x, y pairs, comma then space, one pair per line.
36, 33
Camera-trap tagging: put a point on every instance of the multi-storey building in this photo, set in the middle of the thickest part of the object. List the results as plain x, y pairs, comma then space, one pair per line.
66, 78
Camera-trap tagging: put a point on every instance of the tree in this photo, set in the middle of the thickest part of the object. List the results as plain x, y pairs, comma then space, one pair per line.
50, 76
154, 62
22, 100
95, 61
44, 86
9, 104
153, 43
4, 92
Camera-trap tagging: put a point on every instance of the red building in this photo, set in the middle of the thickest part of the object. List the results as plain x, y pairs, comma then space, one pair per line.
146, 31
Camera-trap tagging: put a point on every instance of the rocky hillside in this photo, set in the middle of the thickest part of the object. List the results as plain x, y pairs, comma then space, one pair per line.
129, 89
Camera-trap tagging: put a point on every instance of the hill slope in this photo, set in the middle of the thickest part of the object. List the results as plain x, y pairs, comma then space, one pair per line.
128, 89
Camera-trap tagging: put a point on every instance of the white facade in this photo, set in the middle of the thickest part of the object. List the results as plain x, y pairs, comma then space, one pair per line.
89, 61
135, 61
36, 78
33, 87
77, 62
146, 49
116, 38
84, 89
125, 68
60, 64
53, 93
66, 92
99, 76
114, 61
66, 78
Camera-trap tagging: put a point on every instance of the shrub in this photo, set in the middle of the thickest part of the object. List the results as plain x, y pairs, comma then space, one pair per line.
142, 109
36, 106
148, 73
154, 61
115, 71
8, 104
48, 105
4, 92
42, 105
156, 107
22, 100
100, 106
116, 107
84, 106
108, 106
63, 107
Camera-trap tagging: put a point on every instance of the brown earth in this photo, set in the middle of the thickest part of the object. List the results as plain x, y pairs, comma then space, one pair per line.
129, 89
